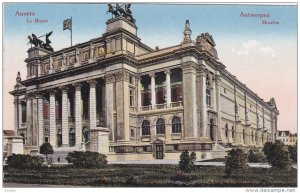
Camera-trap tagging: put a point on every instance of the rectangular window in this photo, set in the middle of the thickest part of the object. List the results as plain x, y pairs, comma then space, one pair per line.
131, 133
46, 110
160, 96
176, 93
131, 98
208, 97
23, 113
146, 97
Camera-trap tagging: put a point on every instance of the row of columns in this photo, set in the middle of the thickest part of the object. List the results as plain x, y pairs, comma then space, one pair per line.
35, 118
153, 91
261, 136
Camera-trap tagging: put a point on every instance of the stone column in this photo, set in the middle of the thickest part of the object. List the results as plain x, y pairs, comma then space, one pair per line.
93, 118
52, 119
40, 120
122, 105
109, 92
139, 97
218, 107
39, 67
65, 116
153, 94
20, 114
190, 99
78, 115
202, 102
230, 135
29, 121
16, 115
34, 122
168, 88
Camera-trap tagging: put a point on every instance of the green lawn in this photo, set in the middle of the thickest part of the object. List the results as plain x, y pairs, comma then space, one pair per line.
152, 176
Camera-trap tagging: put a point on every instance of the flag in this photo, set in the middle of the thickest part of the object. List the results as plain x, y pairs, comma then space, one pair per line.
67, 24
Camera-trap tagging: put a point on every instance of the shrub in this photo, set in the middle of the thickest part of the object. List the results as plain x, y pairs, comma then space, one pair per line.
293, 152
46, 149
185, 163
193, 157
236, 162
19, 161
278, 156
267, 147
256, 157
86, 159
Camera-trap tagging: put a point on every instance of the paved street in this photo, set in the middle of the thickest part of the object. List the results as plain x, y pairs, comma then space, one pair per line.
173, 162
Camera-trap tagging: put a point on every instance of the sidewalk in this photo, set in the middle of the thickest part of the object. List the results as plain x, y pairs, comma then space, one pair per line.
174, 162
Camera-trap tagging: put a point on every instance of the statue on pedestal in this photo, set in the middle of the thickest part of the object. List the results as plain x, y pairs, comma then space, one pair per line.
120, 11
33, 39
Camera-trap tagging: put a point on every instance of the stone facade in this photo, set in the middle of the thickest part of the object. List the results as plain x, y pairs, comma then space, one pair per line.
117, 96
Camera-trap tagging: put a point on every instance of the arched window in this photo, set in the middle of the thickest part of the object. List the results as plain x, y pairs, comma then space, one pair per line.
176, 125
160, 126
85, 134
211, 128
252, 136
145, 128
59, 138
72, 137
244, 135
226, 130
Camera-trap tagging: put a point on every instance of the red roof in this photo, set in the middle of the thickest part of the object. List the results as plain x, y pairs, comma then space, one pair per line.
9, 132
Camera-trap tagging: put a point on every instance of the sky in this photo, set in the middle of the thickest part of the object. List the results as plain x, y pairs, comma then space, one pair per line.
262, 56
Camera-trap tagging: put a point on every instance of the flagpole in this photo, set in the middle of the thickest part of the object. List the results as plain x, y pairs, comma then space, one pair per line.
71, 29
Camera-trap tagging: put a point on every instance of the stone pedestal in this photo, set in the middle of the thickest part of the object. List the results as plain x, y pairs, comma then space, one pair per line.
14, 145
121, 23
99, 140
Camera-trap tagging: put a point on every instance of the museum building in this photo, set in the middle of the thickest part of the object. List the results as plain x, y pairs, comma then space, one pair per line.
117, 96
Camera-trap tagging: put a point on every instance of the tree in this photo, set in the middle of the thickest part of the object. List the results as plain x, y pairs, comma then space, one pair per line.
293, 152
267, 147
46, 149
236, 162
193, 158
185, 162
256, 157
278, 156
